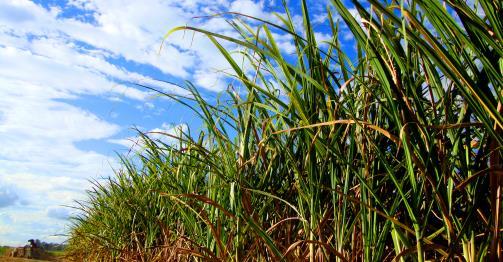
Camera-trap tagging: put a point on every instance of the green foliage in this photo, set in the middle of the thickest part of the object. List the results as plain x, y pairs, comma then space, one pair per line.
393, 154
4, 251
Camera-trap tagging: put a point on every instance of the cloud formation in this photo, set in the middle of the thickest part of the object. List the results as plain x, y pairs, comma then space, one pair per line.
51, 57
7, 196
62, 213
162, 134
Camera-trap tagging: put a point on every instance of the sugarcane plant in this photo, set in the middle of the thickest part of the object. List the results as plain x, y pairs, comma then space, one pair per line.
390, 151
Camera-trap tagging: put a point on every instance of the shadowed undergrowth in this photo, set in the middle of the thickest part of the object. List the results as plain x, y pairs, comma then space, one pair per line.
393, 153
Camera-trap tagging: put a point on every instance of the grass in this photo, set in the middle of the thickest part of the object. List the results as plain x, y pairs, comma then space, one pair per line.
47, 255
4, 250
391, 154
11, 259
56, 253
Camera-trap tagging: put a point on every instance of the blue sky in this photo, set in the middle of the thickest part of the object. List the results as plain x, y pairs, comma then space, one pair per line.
68, 97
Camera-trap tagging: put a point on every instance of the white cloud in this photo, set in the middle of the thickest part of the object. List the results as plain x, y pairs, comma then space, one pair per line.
29, 117
49, 60
120, 30
62, 72
210, 79
162, 134
38, 212
322, 38
248, 7
59, 212
7, 196
320, 18
38, 158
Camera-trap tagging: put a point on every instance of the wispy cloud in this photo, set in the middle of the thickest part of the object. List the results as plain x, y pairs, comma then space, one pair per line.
52, 56
162, 134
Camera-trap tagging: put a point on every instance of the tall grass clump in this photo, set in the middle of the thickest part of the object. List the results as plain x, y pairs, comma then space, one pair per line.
390, 153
